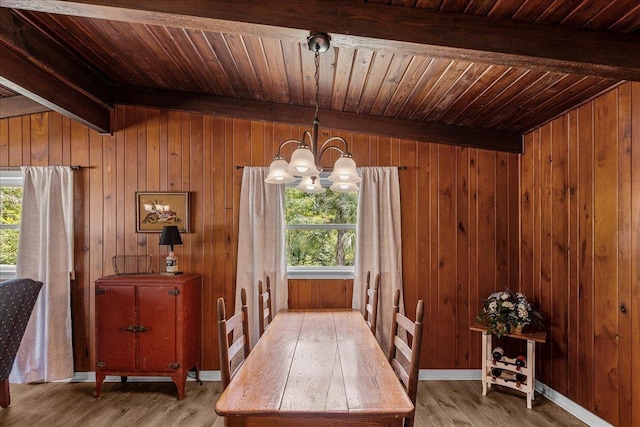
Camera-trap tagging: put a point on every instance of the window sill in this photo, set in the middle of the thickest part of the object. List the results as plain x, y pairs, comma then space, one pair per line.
320, 272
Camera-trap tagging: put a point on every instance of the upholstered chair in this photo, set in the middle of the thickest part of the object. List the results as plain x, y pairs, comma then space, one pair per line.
17, 299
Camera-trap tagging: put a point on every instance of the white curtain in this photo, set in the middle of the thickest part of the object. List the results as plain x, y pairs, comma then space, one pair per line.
45, 253
261, 246
379, 243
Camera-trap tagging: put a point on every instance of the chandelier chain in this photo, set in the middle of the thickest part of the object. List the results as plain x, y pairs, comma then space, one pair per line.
316, 60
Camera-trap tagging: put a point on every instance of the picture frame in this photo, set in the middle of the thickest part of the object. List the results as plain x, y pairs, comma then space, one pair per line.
155, 209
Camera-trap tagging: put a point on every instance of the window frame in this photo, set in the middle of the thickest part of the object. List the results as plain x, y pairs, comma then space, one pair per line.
319, 272
10, 178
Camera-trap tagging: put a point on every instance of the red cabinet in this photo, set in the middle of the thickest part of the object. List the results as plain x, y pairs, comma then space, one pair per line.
148, 325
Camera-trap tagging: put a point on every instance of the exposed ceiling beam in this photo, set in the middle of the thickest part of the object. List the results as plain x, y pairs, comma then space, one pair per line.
19, 106
22, 76
303, 116
389, 28
23, 38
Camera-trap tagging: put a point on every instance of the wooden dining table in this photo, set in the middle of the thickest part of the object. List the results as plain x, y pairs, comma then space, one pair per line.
315, 368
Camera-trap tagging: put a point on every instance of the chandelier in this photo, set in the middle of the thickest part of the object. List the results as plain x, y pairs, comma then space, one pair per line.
305, 160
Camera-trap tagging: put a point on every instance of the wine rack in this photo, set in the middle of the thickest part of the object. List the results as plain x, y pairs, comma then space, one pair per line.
517, 372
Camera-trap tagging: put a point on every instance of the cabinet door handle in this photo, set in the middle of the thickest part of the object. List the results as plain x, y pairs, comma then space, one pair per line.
141, 328
130, 328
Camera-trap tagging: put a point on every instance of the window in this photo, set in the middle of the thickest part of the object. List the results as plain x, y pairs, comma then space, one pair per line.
320, 233
10, 209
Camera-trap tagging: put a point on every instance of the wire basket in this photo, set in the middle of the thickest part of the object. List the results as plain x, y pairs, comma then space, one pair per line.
131, 264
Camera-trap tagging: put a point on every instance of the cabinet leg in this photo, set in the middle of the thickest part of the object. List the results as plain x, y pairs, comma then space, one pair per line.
529, 398
180, 382
99, 380
123, 379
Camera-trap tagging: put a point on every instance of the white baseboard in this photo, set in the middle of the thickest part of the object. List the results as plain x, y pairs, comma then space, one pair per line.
425, 374
571, 407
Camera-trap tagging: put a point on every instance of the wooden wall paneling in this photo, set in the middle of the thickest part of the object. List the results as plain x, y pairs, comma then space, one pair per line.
120, 231
501, 197
209, 350
142, 240
186, 249
464, 309
606, 258
409, 218
447, 254
16, 141
432, 239
229, 223
26, 136
292, 296
39, 127
634, 305
109, 167
153, 133
513, 219
4, 142
527, 227
53, 139
487, 279
474, 282
559, 252
218, 260
573, 305
624, 253
130, 181
327, 293
421, 285
545, 230
585, 351
77, 143
95, 248
195, 174
305, 293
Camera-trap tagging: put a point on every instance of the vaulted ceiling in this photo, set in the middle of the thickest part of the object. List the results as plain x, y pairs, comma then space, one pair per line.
465, 72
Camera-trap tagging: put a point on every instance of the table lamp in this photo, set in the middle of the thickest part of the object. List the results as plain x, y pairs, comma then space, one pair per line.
171, 236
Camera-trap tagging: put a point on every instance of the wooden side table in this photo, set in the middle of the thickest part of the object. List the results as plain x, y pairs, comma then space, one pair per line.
529, 386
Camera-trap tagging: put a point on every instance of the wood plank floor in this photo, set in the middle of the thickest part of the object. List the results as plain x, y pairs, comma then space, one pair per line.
440, 403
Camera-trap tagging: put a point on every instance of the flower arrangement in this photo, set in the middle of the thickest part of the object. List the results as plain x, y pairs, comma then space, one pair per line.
505, 312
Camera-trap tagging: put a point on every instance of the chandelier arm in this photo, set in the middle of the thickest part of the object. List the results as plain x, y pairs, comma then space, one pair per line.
328, 142
287, 142
330, 147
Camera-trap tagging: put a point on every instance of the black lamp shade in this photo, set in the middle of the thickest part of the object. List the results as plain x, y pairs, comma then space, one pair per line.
170, 236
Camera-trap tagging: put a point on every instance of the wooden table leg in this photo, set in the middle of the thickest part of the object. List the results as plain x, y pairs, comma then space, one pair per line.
531, 363
486, 348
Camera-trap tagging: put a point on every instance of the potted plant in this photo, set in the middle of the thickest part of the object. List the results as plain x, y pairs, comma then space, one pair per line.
506, 312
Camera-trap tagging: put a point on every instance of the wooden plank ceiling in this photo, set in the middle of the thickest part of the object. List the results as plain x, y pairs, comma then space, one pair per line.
464, 72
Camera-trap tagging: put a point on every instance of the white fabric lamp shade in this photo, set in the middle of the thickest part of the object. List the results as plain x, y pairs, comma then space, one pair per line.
278, 173
302, 163
344, 187
309, 185
344, 171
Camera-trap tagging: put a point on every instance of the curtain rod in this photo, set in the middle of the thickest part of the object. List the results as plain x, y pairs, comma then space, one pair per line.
17, 168
329, 169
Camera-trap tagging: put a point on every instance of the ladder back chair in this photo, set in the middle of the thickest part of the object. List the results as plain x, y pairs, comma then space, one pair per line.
233, 338
265, 305
371, 302
409, 355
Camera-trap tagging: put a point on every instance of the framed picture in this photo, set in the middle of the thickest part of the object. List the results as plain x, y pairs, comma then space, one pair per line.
157, 209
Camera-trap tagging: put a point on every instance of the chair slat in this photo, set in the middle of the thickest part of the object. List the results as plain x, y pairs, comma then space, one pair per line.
406, 324
400, 372
239, 322
412, 354
236, 346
